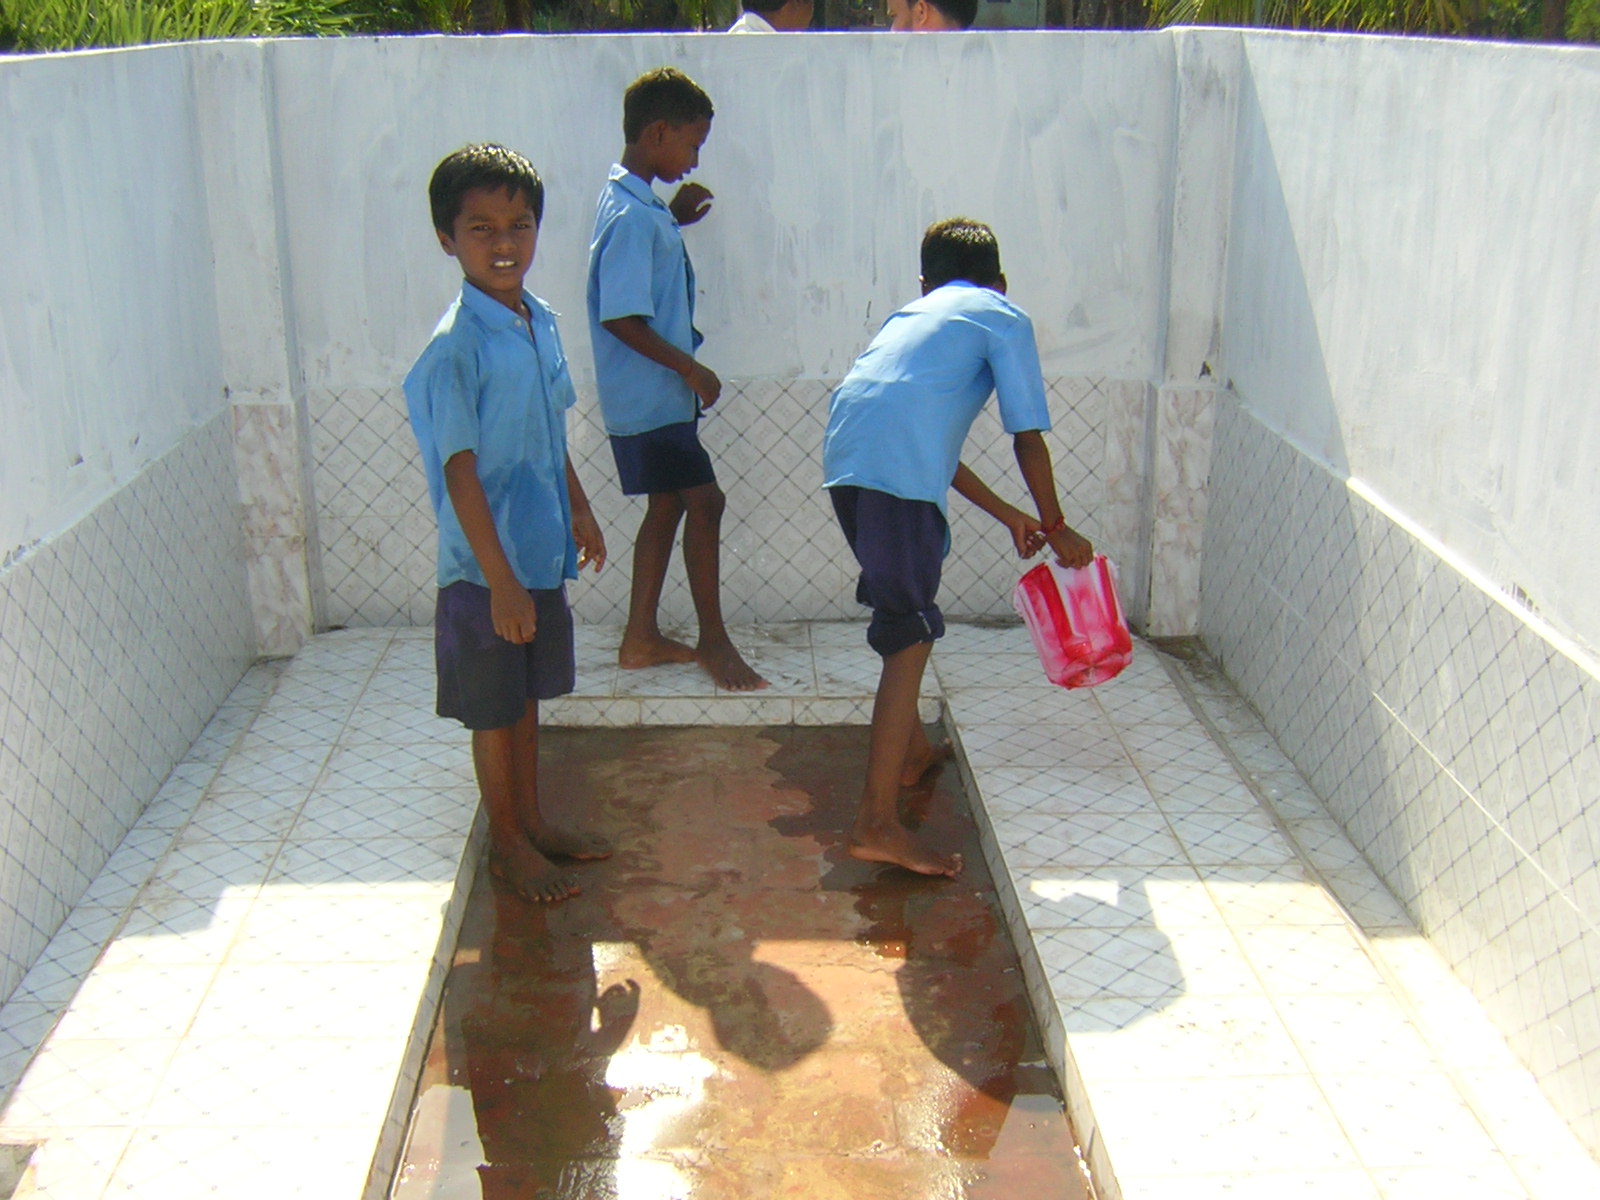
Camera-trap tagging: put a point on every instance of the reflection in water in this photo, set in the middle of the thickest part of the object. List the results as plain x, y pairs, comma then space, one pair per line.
733, 1007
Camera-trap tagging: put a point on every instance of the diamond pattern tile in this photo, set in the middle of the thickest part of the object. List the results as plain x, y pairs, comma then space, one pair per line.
348, 812
97, 1082
1460, 767
1113, 897
133, 1002
1254, 1125
1040, 790
379, 765
1014, 745
271, 1082
783, 558
1089, 964
1085, 839
1322, 959
296, 927
149, 581
316, 1000
245, 1163
388, 865
1192, 1037
171, 930
1211, 838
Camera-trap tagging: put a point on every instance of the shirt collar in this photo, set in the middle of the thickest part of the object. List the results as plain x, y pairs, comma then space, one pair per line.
635, 186
489, 310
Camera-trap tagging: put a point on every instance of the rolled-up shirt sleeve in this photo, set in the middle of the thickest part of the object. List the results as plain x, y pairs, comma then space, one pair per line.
623, 270
1018, 379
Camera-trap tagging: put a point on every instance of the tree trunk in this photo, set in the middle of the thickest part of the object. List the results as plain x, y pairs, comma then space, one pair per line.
1553, 27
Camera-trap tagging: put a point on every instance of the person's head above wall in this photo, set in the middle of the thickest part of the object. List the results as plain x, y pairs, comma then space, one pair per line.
785, 16
931, 16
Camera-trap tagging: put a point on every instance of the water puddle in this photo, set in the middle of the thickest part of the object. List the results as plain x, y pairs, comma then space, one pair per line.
734, 1007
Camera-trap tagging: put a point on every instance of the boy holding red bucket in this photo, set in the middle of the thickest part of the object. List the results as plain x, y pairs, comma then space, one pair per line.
892, 453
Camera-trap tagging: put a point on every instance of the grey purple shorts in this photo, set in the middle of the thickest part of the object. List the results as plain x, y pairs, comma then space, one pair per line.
669, 459
485, 682
900, 545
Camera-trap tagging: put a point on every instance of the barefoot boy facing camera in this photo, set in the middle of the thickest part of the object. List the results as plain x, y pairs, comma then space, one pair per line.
890, 456
652, 390
488, 402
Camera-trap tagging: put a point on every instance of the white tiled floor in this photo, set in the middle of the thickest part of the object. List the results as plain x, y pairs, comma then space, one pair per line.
1238, 1005
1239, 1008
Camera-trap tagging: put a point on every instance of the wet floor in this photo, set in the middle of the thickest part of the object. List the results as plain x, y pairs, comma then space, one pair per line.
733, 1008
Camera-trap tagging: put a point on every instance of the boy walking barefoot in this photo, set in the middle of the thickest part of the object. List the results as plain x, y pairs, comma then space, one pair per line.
488, 402
652, 390
890, 456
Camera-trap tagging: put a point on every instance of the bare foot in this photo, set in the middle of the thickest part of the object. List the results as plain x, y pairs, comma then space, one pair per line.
893, 845
919, 764
530, 874
564, 843
652, 652
728, 670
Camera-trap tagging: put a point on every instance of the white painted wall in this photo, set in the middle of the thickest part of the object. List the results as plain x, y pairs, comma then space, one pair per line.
108, 330
829, 155
1412, 293
1409, 280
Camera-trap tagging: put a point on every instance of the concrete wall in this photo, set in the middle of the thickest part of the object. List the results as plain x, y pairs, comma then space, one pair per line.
1396, 566
123, 615
1412, 294
109, 354
221, 266
828, 158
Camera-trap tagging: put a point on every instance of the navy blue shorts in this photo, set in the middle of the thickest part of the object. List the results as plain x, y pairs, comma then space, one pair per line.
668, 459
900, 545
485, 682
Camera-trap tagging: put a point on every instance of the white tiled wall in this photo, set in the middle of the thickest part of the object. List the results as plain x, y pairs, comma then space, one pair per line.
118, 639
1455, 742
783, 558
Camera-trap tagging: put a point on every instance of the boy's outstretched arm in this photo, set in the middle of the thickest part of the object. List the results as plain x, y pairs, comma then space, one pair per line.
585, 529
510, 606
1024, 530
1071, 548
635, 333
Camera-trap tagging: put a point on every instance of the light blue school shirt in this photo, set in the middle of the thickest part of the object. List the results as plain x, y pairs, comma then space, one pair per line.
897, 422
639, 267
497, 385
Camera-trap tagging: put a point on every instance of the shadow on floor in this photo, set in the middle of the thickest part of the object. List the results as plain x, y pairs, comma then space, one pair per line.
734, 1007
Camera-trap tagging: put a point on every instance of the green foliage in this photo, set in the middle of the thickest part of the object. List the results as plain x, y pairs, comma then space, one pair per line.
1503, 19
708, 14
1395, 16
74, 24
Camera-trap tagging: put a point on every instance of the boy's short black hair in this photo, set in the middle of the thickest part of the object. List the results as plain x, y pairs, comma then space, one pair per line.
962, 12
481, 166
960, 248
665, 94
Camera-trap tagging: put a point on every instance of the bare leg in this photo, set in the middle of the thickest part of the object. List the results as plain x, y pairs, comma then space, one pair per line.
643, 643
512, 856
923, 756
550, 840
878, 835
702, 550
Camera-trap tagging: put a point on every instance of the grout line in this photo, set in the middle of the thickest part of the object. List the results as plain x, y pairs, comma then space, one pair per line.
1397, 988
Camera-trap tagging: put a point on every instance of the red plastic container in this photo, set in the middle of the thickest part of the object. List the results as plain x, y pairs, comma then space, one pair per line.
1075, 620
